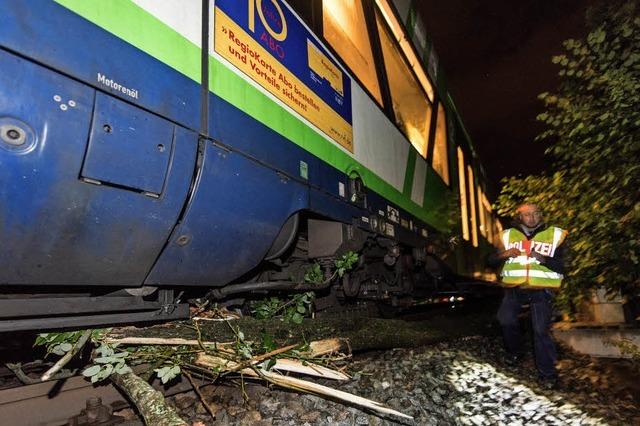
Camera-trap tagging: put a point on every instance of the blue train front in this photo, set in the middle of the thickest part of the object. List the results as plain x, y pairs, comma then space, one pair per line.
134, 163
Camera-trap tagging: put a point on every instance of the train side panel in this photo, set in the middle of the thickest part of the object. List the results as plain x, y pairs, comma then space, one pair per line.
58, 228
93, 195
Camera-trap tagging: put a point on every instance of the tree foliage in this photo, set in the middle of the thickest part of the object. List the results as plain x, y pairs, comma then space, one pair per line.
592, 125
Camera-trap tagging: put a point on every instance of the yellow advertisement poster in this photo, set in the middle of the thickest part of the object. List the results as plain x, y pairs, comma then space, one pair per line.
237, 46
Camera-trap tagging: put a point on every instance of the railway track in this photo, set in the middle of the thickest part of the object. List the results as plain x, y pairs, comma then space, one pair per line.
60, 402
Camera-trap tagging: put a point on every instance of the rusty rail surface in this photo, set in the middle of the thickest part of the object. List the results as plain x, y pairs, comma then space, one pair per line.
53, 403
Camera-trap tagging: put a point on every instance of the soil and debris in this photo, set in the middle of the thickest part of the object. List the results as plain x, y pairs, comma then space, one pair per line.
461, 382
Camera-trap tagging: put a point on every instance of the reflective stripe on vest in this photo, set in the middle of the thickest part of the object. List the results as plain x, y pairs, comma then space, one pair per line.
533, 273
525, 270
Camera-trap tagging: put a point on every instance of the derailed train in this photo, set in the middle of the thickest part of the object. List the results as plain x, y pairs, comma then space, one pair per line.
148, 147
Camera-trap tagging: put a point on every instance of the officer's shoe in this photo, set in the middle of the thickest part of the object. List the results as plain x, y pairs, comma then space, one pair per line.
513, 360
549, 383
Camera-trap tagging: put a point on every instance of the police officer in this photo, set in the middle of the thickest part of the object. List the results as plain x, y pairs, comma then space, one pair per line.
532, 268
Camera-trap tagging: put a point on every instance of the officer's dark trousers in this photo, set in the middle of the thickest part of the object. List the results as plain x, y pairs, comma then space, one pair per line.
539, 302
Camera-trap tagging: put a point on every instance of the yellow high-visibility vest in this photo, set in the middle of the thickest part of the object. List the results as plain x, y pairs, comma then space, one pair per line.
525, 270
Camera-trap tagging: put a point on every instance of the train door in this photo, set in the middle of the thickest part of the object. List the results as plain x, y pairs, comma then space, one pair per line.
99, 114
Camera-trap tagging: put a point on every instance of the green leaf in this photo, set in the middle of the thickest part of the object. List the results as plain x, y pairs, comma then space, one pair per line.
268, 344
106, 360
106, 372
91, 371
57, 350
271, 362
162, 371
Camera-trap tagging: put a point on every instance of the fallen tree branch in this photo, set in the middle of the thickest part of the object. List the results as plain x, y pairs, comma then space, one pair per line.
149, 402
300, 385
259, 358
174, 341
362, 333
317, 348
67, 357
17, 369
236, 356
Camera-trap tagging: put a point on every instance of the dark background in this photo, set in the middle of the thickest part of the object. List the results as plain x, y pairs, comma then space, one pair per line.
496, 57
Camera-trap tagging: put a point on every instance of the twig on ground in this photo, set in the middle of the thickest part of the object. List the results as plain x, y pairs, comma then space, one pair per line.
174, 341
17, 369
67, 357
196, 388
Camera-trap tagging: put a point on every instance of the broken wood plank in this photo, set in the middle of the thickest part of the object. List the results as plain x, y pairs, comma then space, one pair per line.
323, 347
309, 368
303, 386
314, 388
282, 364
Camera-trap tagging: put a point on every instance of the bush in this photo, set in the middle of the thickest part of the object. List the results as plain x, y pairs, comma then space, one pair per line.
592, 126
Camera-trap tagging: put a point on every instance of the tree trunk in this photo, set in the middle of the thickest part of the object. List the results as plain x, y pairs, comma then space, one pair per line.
149, 402
362, 333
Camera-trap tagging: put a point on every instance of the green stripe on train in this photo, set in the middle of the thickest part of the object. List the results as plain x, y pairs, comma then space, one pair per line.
125, 19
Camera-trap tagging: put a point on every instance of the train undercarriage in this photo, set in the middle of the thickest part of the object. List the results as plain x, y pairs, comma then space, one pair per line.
385, 278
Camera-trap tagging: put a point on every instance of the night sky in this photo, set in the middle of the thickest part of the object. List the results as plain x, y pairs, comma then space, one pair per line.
497, 59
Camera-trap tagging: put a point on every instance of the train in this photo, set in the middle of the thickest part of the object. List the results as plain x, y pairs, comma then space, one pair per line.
153, 150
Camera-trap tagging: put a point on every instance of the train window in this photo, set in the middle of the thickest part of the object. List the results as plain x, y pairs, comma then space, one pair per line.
345, 28
488, 221
472, 200
410, 104
440, 161
405, 45
462, 179
481, 213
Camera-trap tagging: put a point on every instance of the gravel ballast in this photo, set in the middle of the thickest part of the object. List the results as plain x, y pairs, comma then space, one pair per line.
456, 383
